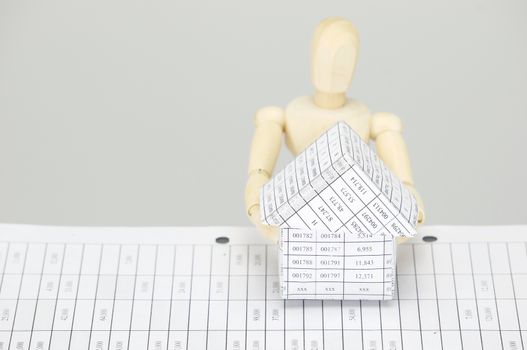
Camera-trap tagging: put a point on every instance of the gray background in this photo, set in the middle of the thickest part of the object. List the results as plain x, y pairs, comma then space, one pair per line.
139, 112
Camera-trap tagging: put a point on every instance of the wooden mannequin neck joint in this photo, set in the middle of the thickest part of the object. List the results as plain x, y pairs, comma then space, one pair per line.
329, 100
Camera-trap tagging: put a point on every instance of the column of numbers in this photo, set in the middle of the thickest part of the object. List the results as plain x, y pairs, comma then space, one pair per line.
489, 320
143, 294
503, 261
199, 297
124, 293
237, 306
426, 293
299, 261
352, 323
4, 306
218, 296
368, 263
332, 319
449, 315
465, 292
87, 290
67, 293
518, 269
256, 297
161, 302
17, 315
408, 302
179, 312
274, 305
47, 296
330, 264
104, 297
391, 323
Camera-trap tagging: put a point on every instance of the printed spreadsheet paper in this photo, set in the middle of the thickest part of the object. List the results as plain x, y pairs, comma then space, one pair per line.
177, 288
333, 201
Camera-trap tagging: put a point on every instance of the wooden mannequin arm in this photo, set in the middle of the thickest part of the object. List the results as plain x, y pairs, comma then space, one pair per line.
386, 129
265, 148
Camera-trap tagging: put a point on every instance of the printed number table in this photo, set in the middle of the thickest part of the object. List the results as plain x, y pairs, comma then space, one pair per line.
218, 288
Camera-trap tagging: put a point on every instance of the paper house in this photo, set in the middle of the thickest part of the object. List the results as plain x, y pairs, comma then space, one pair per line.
339, 209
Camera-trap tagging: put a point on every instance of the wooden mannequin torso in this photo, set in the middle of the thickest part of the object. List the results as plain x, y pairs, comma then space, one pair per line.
305, 121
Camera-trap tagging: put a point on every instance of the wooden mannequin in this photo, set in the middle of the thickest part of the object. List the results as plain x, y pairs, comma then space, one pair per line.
334, 54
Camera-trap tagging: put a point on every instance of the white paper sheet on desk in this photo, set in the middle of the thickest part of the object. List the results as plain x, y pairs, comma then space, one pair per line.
176, 288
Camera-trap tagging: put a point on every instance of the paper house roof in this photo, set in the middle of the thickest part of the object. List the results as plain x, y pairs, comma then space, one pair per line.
336, 178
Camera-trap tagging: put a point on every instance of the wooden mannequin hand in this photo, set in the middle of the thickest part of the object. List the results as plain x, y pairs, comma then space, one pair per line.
420, 214
420, 205
270, 232
252, 193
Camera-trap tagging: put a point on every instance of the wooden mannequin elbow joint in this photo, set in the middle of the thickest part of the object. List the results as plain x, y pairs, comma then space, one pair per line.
385, 122
271, 114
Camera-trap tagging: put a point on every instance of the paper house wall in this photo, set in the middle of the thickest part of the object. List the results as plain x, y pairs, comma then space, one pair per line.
339, 209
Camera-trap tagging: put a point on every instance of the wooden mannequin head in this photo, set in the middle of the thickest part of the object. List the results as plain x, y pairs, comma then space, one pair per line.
333, 57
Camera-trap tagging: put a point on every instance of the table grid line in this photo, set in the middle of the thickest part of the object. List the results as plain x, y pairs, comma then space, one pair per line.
174, 251
152, 297
114, 297
475, 295
436, 294
133, 293
101, 251
494, 293
513, 291
56, 295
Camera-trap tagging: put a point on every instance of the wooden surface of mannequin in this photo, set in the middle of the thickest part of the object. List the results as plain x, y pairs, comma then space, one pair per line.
334, 54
